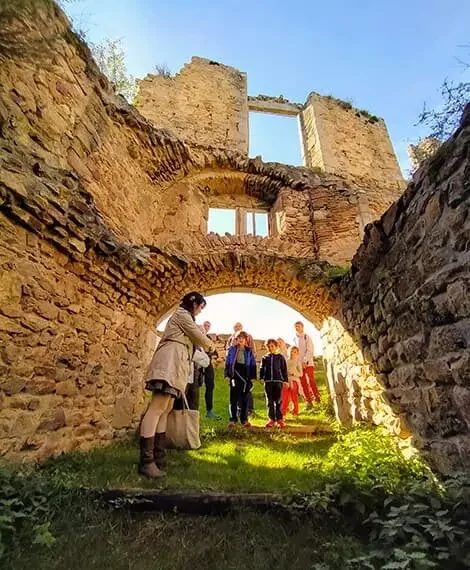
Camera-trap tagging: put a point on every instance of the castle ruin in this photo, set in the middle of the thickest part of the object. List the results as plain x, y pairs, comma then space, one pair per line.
103, 227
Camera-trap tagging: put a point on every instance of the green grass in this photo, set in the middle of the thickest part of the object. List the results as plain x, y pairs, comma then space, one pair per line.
344, 472
94, 539
229, 460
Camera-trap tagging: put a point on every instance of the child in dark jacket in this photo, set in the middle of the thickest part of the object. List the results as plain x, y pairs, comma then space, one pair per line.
240, 371
273, 373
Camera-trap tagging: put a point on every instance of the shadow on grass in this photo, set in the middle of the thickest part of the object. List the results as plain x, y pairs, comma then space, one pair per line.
252, 463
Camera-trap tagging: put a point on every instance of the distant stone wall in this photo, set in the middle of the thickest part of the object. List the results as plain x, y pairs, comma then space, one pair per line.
342, 140
205, 103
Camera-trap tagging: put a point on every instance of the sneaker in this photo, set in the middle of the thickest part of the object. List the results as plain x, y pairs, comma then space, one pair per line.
232, 424
270, 424
281, 424
247, 425
211, 415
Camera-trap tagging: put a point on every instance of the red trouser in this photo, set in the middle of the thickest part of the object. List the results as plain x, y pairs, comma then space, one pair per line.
309, 386
290, 393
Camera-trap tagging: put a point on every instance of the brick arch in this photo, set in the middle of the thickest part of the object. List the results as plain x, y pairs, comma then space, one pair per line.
300, 284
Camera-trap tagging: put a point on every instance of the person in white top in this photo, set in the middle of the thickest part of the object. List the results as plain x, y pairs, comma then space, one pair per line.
305, 345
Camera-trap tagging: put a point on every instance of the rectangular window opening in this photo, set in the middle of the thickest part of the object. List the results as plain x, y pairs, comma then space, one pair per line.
221, 221
275, 138
257, 223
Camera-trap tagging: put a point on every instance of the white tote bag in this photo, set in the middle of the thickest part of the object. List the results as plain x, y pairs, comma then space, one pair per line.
182, 430
201, 358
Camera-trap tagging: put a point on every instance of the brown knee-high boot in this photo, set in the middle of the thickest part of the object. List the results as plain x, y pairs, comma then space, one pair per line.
159, 452
147, 465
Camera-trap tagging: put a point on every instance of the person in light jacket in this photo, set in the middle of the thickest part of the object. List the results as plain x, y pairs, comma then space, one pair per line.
167, 378
305, 345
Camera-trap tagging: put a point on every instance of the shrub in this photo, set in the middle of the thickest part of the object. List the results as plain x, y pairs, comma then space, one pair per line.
26, 506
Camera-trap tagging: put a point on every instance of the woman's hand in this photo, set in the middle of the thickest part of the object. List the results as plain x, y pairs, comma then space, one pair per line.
227, 380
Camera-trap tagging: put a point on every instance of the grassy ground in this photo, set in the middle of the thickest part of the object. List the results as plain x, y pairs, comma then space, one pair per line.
230, 459
88, 537
48, 522
101, 540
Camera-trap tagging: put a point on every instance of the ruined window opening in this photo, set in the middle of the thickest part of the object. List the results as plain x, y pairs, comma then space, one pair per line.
222, 221
275, 138
239, 221
257, 223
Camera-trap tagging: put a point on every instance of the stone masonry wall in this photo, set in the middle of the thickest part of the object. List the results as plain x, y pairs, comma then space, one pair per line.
205, 103
71, 355
340, 140
151, 188
85, 184
355, 392
406, 304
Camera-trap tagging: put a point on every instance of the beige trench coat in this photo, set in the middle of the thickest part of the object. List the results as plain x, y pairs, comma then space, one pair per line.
173, 356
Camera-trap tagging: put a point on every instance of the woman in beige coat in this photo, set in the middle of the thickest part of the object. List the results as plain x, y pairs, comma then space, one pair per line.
167, 378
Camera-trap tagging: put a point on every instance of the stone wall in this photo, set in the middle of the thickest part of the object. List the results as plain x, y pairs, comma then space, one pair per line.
342, 140
406, 304
71, 355
205, 103
355, 392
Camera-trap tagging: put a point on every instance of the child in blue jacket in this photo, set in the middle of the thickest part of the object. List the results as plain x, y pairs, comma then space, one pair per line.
240, 372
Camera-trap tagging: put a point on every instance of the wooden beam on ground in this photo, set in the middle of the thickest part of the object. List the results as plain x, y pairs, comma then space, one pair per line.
296, 430
147, 500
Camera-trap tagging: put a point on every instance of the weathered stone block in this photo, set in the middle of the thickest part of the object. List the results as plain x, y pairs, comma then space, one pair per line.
66, 388
52, 420
34, 322
449, 338
122, 413
10, 326
40, 385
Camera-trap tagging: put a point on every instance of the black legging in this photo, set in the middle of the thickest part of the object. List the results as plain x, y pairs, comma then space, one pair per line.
210, 384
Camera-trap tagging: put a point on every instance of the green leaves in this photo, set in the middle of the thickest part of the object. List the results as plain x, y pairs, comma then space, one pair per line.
26, 505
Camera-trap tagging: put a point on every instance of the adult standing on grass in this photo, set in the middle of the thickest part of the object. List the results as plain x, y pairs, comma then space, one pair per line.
209, 379
167, 379
305, 345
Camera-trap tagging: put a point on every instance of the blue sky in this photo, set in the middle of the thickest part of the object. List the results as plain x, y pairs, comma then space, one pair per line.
385, 56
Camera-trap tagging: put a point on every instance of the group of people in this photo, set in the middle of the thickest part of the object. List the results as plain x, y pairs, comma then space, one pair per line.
284, 374
174, 378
